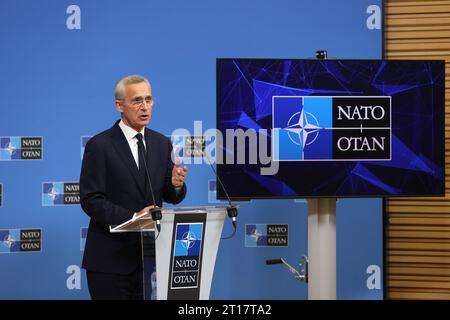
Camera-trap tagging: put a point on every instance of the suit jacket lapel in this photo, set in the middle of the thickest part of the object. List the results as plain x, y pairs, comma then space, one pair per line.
123, 149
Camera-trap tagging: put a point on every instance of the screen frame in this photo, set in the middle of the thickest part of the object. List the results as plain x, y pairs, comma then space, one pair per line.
224, 196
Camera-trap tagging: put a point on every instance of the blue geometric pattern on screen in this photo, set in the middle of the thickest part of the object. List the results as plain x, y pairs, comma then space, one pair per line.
52, 193
188, 239
403, 156
10, 148
273, 185
264, 91
364, 173
302, 128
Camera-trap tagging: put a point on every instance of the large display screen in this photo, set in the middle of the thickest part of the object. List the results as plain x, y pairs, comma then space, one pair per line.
291, 128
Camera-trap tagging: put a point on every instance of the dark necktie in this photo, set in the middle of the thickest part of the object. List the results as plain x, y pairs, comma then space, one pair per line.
141, 155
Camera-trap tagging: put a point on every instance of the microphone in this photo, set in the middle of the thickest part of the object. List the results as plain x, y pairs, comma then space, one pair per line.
231, 209
155, 212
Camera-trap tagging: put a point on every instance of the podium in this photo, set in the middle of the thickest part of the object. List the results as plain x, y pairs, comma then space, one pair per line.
186, 249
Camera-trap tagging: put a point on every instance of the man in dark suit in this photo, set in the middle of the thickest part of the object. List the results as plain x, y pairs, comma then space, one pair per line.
114, 187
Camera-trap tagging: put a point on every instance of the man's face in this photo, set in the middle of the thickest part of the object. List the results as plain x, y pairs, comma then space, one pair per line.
136, 106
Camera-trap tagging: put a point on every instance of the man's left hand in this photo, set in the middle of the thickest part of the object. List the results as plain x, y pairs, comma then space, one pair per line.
178, 174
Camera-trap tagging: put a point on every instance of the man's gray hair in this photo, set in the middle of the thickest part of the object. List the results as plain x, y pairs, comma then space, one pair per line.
119, 89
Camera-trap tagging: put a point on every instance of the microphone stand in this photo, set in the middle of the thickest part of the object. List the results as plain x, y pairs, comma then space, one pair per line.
232, 210
155, 212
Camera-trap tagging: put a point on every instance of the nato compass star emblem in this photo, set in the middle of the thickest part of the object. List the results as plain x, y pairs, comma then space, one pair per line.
303, 128
53, 194
9, 241
188, 240
11, 149
256, 234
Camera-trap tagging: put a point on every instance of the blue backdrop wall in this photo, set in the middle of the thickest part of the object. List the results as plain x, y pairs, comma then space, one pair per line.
59, 61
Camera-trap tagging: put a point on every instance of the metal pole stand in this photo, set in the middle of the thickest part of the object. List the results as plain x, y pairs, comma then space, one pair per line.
322, 248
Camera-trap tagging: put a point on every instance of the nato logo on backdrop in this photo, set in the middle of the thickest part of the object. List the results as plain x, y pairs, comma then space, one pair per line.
185, 146
186, 256
266, 235
60, 193
212, 192
328, 128
20, 240
20, 148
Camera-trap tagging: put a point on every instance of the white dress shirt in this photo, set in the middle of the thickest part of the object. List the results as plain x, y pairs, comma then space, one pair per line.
130, 135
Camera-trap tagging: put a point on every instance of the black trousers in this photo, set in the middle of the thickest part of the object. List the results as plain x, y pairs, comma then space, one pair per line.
107, 286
